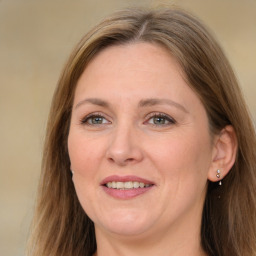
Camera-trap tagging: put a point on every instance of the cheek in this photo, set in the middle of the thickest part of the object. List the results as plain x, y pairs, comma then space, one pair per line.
187, 156
184, 165
84, 153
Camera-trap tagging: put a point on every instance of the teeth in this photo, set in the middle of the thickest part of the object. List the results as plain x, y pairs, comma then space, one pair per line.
113, 184
126, 185
119, 185
136, 184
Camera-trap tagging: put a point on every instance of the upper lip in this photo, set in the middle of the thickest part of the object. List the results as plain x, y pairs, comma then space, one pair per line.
125, 179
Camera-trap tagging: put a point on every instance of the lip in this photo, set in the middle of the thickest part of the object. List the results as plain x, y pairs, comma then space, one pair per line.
123, 193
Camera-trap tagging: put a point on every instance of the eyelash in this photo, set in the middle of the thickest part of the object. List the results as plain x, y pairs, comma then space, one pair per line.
85, 120
162, 116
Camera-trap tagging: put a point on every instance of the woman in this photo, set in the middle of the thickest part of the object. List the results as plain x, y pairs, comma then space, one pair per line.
150, 149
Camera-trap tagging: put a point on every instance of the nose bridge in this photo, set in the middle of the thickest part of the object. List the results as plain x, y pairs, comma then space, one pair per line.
123, 146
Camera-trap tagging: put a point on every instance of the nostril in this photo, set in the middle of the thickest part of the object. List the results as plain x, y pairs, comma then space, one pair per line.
129, 159
111, 160
121, 161
123, 156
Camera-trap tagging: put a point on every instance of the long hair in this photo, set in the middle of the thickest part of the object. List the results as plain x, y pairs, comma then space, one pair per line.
61, 227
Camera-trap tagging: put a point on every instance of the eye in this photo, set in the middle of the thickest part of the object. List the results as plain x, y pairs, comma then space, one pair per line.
160, 119
94, 119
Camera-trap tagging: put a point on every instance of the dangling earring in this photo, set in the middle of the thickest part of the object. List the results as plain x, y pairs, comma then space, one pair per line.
218, 176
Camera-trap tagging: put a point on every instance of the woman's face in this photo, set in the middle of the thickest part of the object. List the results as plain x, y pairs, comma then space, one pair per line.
139, 143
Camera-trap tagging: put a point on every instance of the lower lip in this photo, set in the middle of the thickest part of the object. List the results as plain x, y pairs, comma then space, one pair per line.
126, 193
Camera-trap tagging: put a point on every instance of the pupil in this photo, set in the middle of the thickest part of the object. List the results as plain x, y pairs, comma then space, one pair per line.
159, 120
97, 120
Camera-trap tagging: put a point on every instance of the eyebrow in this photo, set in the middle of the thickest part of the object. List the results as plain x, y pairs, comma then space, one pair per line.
142, 103
94, 101
156, 101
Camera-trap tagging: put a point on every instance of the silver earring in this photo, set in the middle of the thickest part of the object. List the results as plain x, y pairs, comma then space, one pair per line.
218, 176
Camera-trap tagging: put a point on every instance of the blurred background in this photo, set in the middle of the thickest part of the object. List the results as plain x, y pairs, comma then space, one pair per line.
36, 38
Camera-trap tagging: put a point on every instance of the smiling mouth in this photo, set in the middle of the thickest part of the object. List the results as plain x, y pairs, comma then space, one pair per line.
127, 185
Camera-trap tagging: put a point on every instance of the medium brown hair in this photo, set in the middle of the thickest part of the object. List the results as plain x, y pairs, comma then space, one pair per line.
61, 227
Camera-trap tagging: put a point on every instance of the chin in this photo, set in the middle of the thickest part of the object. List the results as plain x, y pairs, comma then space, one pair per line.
126, 229
125, 223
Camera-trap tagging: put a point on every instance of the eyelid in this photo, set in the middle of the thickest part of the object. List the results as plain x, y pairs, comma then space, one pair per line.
160, 114
84, 119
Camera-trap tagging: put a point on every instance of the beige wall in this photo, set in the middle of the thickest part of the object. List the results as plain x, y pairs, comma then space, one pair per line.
35, 40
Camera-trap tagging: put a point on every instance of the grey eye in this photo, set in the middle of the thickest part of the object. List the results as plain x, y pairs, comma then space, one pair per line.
159, 120
94, 120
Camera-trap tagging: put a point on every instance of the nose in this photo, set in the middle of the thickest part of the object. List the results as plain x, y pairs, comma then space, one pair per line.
124, 147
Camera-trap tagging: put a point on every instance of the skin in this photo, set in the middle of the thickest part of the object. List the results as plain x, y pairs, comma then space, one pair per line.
176, 152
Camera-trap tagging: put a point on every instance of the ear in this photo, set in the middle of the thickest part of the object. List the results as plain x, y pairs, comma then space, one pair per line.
224, 153
71, 170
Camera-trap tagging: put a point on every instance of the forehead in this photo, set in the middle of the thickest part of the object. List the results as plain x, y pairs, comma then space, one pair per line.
123, 76
134, 64
134, 52
134, 71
